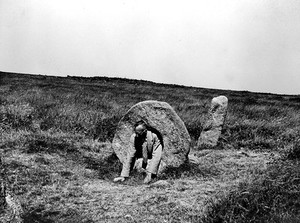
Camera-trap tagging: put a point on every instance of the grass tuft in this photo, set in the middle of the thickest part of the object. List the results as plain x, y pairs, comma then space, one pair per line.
294, 152
106, 167
44, 143
273, 197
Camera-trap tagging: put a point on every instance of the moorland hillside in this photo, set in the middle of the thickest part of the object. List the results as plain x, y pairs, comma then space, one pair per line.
57, 159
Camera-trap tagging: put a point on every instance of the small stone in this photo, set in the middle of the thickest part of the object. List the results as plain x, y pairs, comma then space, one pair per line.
161, 184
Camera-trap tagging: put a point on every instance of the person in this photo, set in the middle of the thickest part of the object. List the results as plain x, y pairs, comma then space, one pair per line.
144, 144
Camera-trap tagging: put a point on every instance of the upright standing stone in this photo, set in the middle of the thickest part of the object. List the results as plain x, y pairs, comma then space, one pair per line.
162, 117
215, 122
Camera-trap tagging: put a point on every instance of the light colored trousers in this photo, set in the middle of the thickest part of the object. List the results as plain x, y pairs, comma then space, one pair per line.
155, 152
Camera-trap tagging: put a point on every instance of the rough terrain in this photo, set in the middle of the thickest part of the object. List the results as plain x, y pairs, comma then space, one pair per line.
180, 195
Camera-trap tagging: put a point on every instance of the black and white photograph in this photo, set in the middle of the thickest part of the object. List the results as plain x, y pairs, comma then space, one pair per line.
167, 111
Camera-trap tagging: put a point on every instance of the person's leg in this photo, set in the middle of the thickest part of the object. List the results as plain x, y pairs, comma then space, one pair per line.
154, 164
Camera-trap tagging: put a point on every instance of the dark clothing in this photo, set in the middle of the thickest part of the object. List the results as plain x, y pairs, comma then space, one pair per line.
146, 148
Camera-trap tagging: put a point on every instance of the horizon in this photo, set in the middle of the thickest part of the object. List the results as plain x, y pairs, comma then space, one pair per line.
248, 45
154, 82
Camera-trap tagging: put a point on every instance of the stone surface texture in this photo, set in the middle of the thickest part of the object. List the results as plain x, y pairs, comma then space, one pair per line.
215, 122
162, 117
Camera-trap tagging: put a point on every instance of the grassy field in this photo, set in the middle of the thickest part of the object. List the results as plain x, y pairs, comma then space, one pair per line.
55, 145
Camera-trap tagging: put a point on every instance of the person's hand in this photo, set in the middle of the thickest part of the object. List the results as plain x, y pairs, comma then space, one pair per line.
119, 179
148, 178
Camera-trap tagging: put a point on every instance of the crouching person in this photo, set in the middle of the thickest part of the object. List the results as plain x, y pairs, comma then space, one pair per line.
144, 144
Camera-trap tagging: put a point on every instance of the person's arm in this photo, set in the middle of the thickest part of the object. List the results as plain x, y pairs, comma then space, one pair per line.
156, 155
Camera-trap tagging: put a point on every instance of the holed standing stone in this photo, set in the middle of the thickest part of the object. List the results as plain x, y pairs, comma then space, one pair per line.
161, 117
215, 122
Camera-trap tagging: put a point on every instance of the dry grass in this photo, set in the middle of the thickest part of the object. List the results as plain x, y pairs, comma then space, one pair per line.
57, 157
273, 197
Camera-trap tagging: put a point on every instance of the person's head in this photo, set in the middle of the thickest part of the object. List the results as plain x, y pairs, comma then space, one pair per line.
140, 128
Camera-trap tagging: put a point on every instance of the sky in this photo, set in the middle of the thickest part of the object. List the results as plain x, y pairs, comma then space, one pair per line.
249, 45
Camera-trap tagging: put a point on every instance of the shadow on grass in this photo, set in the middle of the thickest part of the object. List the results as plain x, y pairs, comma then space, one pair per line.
40, 143
107, 168
40, 215
21, 178
294, 152
36, 216
189, 169
186, 170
